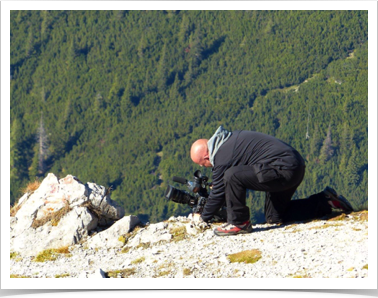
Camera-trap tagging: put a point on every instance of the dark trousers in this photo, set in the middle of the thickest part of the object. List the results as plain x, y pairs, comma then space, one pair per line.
278, 204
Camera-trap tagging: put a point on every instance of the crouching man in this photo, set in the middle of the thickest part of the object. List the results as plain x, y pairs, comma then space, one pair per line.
242, 160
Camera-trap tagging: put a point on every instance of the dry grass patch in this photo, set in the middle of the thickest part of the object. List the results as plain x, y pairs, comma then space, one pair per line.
362, 215
187, 271
18, 276
126, 237
62, 275
178, 233
53, 217
302, 276
325, 226
125, 250
164, 269
247, 256
13, 255
358, 215
14, 210
125, 273
62, 250
163, 273
51, 254
292, 226
144, 245
138, 261
122, 239
31, 187
365, 267
339, 217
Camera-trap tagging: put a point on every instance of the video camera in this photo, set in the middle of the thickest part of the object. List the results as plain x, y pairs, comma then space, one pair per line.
198, 201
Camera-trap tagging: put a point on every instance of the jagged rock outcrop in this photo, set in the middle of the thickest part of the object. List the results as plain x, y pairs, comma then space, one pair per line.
61, 213
110, 238
65, 212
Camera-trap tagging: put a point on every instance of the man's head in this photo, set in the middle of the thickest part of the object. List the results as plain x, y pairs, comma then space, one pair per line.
199, 153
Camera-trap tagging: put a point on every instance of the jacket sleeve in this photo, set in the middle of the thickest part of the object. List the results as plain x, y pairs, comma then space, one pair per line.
216, 197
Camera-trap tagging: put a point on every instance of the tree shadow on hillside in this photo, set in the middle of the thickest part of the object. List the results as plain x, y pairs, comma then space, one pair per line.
214, 48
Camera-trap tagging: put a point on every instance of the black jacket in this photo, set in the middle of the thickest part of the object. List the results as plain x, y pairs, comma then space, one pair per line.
251, 148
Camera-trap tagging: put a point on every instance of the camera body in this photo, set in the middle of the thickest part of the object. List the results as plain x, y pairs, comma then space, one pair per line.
197, 201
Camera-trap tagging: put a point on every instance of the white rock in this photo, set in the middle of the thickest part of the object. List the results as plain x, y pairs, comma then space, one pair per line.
109, 208
83, 275
70, 229
99, 273
51, 196
110, 237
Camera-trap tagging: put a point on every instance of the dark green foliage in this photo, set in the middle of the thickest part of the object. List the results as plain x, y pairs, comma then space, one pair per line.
124, 94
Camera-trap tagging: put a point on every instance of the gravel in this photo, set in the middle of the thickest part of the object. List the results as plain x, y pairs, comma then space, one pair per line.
318, 249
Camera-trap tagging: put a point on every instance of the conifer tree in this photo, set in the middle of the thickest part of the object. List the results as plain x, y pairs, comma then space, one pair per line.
146, 85
126, 104
141, 47
72, 52
97, 105
44, 24
42, 147
327, 150
189, 74
351, 174
196, 47
174, 92
346, 140
363, 202
15, 154
162, 70
184, 27
67, 111
30, 42
43, 95
315, 143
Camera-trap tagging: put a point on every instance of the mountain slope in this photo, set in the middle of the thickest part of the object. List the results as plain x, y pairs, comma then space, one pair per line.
118, 97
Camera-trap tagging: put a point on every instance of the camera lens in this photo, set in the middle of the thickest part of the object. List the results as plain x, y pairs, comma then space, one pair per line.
179, 196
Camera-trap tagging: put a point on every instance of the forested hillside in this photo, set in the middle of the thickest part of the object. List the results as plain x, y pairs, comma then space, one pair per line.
117, 97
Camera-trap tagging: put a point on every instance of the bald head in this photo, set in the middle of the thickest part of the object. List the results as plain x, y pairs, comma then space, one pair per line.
199, 153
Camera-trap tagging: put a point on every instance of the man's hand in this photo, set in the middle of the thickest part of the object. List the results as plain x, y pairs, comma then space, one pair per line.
198, 222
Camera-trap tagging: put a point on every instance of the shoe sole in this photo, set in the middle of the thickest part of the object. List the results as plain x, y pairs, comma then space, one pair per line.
334, 196
343, 201
216, 232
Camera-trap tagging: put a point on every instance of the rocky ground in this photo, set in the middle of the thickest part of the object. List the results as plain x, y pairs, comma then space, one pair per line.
66, 230
334, 247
